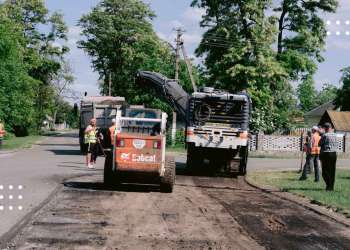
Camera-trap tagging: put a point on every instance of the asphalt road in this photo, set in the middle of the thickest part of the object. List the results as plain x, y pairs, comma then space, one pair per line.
29, 176
202, 213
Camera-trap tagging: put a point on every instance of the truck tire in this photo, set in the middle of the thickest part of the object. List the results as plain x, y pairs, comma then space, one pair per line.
194, 159
110, 178
168, 180
243, 154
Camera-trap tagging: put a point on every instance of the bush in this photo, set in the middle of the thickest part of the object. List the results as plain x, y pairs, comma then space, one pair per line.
180, 139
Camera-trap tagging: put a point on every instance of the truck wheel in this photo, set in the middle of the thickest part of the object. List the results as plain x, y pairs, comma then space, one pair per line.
109, 177
243, 154
190, 157
168, 180
194, 160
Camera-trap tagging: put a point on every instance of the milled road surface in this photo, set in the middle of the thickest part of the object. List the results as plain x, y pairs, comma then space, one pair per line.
201, 213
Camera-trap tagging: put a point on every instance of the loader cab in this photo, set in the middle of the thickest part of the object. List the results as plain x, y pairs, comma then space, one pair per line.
142, 127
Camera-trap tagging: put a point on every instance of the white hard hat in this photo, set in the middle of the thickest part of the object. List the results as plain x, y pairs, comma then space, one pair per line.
113, 120
315, 128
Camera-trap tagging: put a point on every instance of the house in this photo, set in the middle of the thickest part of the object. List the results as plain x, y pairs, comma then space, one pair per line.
340, 120
314, 116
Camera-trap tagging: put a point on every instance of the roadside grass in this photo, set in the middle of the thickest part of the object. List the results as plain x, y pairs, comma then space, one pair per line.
338, 200
12, 143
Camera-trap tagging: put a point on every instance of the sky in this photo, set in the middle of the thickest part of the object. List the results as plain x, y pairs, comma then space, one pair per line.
172, 14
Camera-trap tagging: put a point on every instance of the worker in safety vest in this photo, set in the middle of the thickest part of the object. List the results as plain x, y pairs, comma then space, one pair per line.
90, 139
112, 131
2, 132
314, 154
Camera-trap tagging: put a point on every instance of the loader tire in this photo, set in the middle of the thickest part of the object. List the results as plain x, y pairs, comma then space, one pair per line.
109, 177
168, 180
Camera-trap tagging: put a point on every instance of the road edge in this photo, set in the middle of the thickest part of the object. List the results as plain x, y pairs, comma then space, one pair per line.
10, 235
302, 201
7, 237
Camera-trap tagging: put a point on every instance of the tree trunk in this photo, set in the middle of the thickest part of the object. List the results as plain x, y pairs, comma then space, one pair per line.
54, 119
280, 31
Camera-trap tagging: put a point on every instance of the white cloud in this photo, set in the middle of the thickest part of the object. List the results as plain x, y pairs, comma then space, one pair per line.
176, 24
191, 39
340, 42
74, 32
193, 14
162, 36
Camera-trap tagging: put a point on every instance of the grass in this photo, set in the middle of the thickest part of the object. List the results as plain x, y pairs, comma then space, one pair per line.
20, 142
288, 181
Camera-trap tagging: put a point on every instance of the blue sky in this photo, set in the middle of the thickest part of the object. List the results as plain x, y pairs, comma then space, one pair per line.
171, 14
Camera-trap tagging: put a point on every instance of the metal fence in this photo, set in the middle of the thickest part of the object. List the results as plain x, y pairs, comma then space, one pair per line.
262, 142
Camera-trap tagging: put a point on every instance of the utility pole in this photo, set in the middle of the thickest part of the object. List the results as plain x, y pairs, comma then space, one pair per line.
189, 67
179, 33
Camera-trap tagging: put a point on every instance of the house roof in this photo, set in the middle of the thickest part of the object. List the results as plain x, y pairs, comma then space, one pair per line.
319, 111
340, 120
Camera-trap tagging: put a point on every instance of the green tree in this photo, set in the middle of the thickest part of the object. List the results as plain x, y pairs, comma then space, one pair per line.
302, 35
42, 57
119, 37
17, 88
300, 42
307, 94
343, 95
328, 93
238, 55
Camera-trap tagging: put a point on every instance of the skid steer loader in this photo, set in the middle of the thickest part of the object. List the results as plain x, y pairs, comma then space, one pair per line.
138, 152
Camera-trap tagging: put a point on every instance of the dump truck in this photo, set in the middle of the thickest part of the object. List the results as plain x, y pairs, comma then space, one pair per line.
138, 152
217, 122
104, 109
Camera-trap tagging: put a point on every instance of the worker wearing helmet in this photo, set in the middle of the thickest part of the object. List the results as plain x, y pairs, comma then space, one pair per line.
90, 139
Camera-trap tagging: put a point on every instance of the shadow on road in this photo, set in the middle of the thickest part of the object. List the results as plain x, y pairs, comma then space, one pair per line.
65, 151
205, 170
58, 144
70, 135
100, 186
71, 162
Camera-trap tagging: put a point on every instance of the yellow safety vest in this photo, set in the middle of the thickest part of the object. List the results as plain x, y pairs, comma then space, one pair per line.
90, 137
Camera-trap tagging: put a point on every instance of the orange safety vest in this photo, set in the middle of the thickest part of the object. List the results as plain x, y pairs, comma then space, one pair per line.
315, 149
111, 132
2, 130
